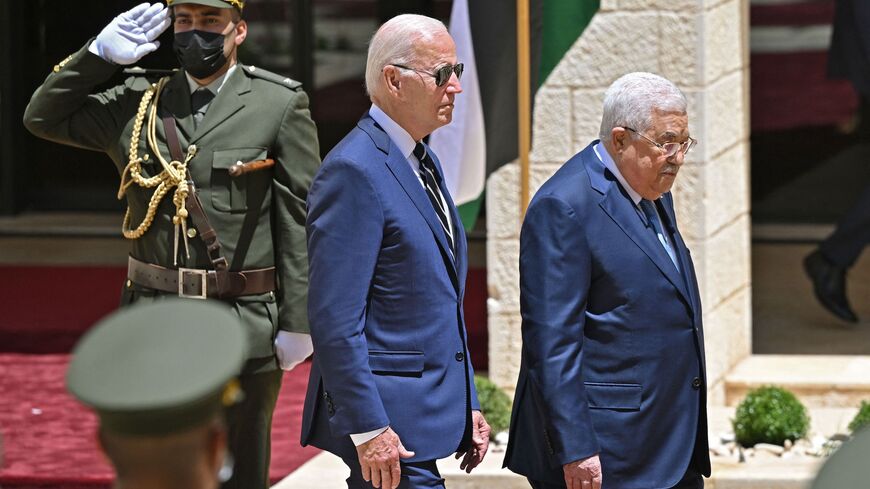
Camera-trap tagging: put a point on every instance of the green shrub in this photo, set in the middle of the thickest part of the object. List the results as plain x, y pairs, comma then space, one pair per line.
494, 403
862, 419
770, 415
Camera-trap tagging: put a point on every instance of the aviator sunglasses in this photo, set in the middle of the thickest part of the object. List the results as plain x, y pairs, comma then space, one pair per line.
441, 75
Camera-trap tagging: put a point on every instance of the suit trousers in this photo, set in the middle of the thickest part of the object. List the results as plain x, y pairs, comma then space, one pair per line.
250, 436
844, 245
415, 475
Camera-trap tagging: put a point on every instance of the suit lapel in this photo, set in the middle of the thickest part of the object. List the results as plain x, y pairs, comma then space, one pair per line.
400, 169
458, 230
175, 101
681, 250
227, 102
619, 206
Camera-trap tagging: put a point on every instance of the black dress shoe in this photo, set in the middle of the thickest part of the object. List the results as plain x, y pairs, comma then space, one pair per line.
829, 284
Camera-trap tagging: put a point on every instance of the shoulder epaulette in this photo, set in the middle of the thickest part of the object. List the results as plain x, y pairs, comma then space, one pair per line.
272, 77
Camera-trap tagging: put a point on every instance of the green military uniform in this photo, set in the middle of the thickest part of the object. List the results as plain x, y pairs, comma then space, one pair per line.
848, 467
159, 376
259, 217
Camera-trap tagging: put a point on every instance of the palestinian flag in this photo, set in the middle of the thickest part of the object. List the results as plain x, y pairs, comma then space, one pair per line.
483, 134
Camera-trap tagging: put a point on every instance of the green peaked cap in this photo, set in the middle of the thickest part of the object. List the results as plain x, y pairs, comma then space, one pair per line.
159, 368
239, 4
849, 466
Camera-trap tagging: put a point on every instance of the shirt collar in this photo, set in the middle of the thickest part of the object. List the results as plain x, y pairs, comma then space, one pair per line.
214, 86
397, 134
605, 158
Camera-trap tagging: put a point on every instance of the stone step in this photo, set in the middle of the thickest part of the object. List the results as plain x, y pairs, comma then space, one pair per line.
817, 380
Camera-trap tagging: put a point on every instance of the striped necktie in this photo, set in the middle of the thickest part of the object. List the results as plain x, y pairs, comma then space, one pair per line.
652, 215
430, 181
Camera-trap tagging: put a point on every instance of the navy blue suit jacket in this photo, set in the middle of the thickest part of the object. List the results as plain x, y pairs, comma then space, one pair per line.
385, 304
613, 359
849, 54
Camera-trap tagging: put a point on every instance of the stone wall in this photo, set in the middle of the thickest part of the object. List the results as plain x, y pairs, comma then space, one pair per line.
702, 45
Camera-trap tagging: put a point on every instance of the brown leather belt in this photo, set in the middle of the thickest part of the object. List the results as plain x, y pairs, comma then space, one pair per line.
200, 284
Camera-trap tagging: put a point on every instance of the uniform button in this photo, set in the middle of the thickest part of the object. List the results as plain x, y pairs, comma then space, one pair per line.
191, 233
459, 356
696, 383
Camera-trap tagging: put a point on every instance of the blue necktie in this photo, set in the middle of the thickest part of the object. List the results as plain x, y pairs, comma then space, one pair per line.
652, 215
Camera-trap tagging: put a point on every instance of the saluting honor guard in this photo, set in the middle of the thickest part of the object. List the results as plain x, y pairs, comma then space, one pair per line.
215, 161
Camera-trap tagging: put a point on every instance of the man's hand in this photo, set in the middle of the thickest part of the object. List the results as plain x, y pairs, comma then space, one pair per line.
480, 431
379, 459
132, 35
292, 349
583, 474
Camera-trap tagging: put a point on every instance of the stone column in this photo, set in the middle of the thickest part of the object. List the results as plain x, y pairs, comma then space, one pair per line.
701, 45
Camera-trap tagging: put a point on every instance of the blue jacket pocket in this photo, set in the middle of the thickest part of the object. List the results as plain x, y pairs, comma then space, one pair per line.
620, 397
408, 363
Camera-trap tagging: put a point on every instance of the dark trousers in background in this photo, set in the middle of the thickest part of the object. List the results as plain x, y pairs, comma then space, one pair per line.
415, 475
250, 435
844, 246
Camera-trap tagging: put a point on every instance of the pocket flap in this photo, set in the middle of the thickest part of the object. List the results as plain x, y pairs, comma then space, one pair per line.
225, 158
602, 395
404, 362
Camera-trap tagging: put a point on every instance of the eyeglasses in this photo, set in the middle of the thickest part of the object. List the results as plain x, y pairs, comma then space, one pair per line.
669, 149
441, 75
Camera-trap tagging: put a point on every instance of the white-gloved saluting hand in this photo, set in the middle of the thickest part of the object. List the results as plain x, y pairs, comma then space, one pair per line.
132, 35
292, 348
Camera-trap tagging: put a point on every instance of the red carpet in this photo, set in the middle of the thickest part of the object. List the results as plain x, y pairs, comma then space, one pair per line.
50, 440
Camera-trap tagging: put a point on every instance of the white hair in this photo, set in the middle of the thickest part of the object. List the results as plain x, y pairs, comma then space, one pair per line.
631, 100
395, 42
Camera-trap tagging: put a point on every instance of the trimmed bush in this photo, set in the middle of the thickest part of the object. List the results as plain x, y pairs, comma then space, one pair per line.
770, 415
862, 419
495, 405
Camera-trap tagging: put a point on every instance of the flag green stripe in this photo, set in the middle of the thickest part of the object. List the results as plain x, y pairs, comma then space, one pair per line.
469, 211
564, 21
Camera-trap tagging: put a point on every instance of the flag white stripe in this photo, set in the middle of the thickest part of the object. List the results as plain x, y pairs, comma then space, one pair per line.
461, 145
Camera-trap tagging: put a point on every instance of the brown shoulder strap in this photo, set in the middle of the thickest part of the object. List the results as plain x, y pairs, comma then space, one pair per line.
171, 131
198, 217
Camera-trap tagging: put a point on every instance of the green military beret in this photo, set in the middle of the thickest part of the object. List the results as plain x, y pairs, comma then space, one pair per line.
159, 368
848, 467
239, 4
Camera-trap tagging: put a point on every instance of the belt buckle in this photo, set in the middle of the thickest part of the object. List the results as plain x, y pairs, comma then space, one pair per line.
203, 275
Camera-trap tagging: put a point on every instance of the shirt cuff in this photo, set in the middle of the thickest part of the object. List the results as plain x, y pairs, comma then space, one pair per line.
360, 438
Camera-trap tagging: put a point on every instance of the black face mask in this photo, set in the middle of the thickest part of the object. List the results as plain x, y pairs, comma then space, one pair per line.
200, 53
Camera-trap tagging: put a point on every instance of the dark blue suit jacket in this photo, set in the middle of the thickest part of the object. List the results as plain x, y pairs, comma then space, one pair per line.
613, 358
849, 54
385, 305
